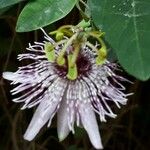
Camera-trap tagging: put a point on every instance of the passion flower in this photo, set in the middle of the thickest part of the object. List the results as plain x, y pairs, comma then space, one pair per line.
70, 77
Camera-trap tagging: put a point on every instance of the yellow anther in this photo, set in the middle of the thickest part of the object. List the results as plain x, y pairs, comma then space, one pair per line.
50, 52
60, 60
102, 53
59, 36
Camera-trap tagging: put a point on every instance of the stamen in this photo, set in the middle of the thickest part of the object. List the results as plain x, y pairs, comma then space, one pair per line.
59, 35
102, 52
50, 52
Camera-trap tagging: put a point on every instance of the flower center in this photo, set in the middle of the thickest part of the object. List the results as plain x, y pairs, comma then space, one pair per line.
73, 63
83, 67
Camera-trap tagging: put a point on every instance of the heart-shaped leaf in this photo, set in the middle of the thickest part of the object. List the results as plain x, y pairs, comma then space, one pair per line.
127, 27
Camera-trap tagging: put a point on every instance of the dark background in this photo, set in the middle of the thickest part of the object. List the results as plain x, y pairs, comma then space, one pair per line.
129, 131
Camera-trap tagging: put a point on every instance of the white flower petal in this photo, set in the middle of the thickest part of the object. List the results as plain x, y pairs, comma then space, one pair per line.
8, 76
90, 124
43, 113
62, 121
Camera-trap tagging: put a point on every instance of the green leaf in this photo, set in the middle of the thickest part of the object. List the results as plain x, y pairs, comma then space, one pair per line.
6, 3
40, 13
127, 27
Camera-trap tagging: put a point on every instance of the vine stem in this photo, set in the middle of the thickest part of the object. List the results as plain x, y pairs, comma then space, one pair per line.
84, 4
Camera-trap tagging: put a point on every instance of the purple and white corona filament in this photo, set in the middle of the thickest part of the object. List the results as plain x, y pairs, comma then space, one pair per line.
65, 77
